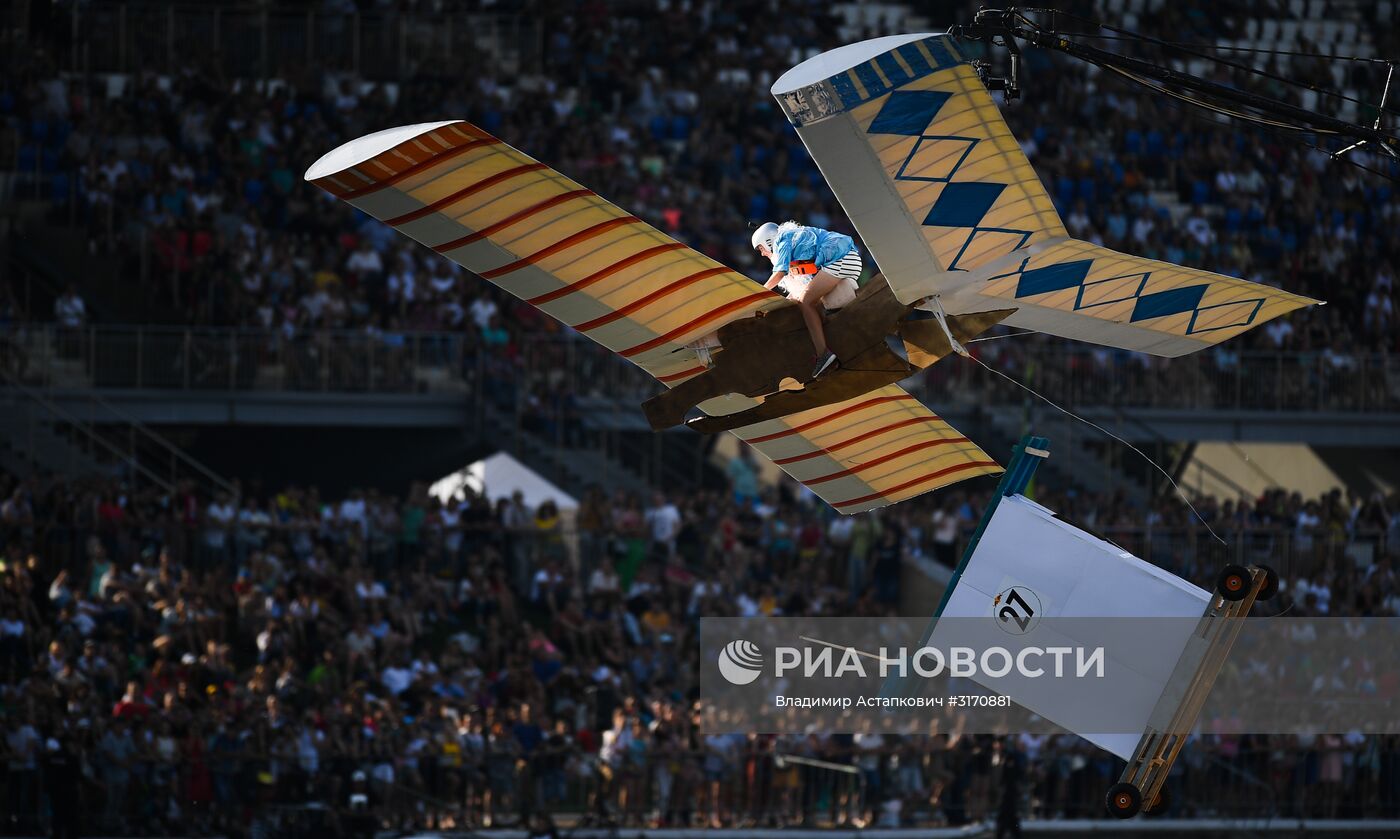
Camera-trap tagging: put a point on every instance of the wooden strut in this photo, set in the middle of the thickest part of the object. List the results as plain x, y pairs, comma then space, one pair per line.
1175, 714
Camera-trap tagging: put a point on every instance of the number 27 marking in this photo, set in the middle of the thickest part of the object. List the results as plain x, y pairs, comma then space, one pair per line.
1009, 613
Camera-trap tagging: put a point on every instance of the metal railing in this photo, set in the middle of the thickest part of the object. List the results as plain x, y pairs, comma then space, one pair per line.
1193, 553
194, 359
263, 42
139, 450
211, 545
904, 783
87, 442
211, 358
540, 390
1212, 379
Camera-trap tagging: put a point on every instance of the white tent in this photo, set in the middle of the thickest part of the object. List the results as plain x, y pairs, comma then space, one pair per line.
500, 476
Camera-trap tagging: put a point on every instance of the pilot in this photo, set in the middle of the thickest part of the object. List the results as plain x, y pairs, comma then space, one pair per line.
811, 266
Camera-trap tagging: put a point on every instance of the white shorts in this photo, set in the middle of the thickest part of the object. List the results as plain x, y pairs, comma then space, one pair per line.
847, 268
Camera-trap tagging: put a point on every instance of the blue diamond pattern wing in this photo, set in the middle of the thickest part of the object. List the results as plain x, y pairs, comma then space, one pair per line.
944, 198
920, 158
1086, 292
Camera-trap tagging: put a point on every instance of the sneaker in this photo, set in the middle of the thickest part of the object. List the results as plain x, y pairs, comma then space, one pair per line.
827, 360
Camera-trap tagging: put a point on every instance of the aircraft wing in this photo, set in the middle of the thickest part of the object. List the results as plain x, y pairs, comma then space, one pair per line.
544, 238
879, 448
923, 163
1076, 289
633, 289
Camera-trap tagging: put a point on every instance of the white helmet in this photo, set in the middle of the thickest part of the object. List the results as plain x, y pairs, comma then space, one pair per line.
766, 234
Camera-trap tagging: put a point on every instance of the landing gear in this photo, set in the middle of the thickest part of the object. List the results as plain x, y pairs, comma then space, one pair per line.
1123, 800
1159, 804
1237, 588
1270, 587
1234, 582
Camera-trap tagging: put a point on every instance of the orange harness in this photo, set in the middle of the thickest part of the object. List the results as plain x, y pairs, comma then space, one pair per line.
805, 267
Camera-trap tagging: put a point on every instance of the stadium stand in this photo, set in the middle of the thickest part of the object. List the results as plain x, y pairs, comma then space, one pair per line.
210, 657
197, 197
204, 658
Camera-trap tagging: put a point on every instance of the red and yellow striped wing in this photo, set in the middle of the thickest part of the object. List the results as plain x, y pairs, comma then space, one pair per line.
545, 239
877, 449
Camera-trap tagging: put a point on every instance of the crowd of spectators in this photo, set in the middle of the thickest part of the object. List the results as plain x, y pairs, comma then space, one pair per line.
186, 663
175, 662
192, 181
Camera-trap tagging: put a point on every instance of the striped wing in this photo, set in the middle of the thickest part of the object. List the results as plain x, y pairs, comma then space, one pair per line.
871, 451
918, 154
545, 239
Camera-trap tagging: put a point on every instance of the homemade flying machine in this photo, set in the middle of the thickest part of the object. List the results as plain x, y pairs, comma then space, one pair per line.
914, 148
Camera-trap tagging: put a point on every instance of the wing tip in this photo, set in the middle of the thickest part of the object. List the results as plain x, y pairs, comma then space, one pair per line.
361, 149
840, 59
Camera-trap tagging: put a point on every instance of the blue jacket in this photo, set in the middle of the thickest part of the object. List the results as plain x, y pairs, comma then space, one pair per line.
796, 243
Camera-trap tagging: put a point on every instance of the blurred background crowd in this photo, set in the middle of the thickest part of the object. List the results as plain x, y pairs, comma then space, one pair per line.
177, 663
191, 183
180, 662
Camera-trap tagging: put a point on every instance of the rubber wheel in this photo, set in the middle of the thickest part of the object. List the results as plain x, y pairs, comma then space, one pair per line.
1233, 582
1270, 583
1159, 804
1123, 800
